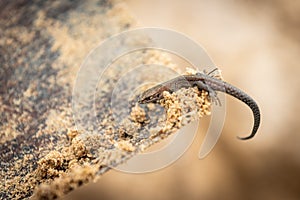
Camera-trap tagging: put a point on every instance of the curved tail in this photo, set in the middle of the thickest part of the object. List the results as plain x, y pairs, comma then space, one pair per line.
242, 96
239, 94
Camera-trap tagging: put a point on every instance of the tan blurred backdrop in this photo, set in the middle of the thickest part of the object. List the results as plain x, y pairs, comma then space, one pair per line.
257, 46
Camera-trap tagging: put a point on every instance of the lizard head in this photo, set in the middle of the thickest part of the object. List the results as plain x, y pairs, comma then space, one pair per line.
152, 95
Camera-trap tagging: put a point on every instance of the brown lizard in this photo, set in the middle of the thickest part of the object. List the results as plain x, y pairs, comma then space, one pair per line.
202, 82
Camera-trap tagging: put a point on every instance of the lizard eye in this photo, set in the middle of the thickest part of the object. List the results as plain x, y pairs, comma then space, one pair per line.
157, 96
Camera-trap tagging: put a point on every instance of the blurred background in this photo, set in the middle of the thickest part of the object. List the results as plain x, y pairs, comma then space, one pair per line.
256, 45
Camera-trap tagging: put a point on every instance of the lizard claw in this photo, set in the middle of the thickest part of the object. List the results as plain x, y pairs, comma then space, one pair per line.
214, 97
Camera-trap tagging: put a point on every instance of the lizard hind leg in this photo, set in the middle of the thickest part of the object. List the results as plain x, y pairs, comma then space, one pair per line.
213, 96
216, 99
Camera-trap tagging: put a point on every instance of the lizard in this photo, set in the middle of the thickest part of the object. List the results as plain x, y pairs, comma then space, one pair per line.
207, 83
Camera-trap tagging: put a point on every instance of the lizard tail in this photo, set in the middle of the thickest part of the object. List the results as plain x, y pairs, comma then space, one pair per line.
239, 94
